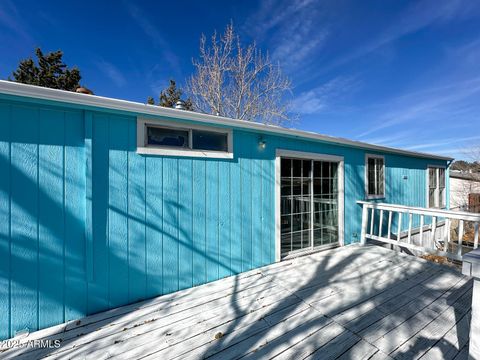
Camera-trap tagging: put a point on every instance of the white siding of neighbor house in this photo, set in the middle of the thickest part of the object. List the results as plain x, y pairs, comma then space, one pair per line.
459, 190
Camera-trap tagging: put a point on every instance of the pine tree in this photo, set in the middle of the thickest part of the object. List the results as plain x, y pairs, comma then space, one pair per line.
170, 96
49, 71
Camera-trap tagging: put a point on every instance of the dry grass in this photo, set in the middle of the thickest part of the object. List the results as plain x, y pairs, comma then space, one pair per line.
436, 259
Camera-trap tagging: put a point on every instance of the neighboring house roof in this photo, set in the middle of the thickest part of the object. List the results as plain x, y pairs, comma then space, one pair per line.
465, 175
12, 88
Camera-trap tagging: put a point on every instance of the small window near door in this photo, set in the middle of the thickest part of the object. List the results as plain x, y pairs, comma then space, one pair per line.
436, 187
375, 177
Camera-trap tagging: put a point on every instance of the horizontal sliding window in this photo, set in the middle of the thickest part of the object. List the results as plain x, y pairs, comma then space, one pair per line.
161, 138
209, 140
157, 136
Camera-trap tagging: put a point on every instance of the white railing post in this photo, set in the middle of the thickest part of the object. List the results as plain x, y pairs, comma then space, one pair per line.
380, 224
399, 230
471, 267
372, 220
446, 236
389, 227
422, 220
475, 239
410, 219
460, 238
363, 235
434, 229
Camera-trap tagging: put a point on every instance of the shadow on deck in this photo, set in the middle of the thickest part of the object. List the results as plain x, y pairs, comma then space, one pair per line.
346, 303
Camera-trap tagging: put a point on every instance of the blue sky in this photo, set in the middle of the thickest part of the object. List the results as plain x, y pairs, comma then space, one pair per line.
396, 73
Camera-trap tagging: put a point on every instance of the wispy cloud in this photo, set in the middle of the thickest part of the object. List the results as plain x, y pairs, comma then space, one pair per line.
416, 17
430, 104
440, 122
320, 97
158, 40
11, 19
299, 45
445, 142
291, 28
112, 72
272, 14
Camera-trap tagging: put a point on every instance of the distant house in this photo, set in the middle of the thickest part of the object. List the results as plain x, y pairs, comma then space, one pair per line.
463, 189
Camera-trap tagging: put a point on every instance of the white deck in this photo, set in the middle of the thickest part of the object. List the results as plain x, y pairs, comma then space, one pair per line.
347, 303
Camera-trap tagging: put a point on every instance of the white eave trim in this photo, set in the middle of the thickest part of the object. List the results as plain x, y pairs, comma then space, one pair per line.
12, 88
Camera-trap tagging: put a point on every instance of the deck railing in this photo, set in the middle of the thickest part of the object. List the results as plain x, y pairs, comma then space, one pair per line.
441, 232
421, 234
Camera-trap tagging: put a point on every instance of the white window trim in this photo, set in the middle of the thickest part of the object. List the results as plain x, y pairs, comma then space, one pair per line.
143, 148
437, 189
375, 156
341, 191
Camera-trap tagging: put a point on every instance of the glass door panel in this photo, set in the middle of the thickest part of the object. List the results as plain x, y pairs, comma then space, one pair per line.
325, 198
309, 204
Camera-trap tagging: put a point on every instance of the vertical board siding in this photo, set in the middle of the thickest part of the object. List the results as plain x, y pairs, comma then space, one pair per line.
136, 220
87, 224
224, 224
199, 222
24, 218
51, 219
42, 217
185, 223
170, 225
245, 144
5, 187
118, 194
211, 229
154, 226
235, 217
98, 286
75, 262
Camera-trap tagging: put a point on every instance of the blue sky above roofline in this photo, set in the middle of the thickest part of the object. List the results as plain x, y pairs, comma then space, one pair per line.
402, 74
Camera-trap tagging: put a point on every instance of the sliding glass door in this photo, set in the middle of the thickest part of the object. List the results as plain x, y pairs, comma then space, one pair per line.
309, 204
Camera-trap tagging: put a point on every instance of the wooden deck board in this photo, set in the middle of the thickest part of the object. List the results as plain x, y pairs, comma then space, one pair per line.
345, 303
453, 341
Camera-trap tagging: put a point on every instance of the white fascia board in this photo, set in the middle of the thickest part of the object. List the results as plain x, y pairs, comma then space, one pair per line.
17, 89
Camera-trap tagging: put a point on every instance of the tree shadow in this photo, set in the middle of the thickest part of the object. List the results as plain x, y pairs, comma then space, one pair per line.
51, 275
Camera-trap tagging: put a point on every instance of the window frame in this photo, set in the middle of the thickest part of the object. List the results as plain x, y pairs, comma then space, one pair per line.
438, 204
374, 196
144, 148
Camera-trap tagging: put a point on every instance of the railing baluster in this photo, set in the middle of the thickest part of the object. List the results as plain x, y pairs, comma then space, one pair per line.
380, 224
434, 229
460, 238
371, 221
441, 244
409, 228
363, 236
399, 226
422, 220
446, 236
475, 239
389, 224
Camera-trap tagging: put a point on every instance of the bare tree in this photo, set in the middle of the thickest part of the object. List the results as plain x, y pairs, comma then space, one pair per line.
238, 82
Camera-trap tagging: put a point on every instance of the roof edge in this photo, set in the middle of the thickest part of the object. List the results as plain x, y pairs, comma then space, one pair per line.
38, 92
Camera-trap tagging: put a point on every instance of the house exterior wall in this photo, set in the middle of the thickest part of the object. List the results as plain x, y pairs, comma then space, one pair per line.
87, 224
459, 190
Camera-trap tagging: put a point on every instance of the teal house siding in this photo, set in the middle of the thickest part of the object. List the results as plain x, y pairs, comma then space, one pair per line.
88, 224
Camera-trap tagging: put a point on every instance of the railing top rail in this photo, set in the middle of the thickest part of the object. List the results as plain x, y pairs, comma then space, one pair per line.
462, 215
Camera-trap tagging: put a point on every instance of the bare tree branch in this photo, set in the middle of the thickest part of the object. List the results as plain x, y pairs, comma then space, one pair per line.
238, 82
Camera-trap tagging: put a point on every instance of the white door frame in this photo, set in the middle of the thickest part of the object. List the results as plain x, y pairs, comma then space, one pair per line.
341, 190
